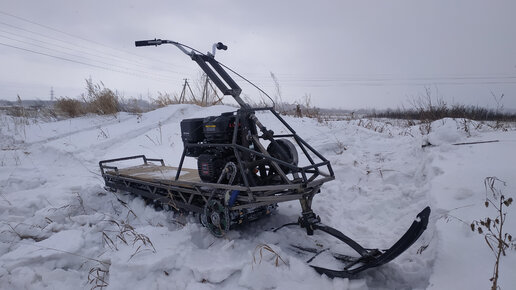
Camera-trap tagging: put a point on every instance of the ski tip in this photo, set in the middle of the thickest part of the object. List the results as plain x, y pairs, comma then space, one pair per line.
424, 215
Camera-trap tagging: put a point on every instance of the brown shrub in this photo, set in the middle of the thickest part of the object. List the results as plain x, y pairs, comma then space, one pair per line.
70, 107
164, 100
100, 100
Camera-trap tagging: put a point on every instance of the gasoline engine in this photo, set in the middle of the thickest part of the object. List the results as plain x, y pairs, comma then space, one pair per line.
204, 138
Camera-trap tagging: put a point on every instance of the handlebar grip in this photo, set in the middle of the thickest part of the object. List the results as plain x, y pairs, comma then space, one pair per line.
148, 42
221, 46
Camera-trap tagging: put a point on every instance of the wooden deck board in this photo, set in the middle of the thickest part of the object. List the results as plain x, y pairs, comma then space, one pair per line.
158, 173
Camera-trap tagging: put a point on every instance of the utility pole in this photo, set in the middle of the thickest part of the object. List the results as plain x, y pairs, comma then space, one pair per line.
206, 93
204, 99
51, 93
183, 92
215, 93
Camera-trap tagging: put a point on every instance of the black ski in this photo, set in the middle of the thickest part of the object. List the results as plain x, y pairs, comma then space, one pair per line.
374, 258
369, 258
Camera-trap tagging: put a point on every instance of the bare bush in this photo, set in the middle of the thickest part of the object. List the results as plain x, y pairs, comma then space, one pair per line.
100, 100
164, 99
428, 108
18, 110
310, 111
70, 107
492, 228
303, 108
278, 98
372, 125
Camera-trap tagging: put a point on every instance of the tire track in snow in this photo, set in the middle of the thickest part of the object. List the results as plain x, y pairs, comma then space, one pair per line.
181, 112
175, 115
133, 134
70, 133
121, 136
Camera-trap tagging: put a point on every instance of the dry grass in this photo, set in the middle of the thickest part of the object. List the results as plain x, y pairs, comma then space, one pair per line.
492, 228
428, 109
260, 249
98, 277
97, 100
280, 105
103, 101
100, 100
164, 99
127, 234
70, 107
18, 110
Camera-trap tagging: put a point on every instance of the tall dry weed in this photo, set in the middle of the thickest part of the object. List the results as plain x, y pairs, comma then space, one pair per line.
70, 107
100, 100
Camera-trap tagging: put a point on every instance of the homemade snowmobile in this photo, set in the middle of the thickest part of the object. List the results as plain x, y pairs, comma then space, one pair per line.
243, 171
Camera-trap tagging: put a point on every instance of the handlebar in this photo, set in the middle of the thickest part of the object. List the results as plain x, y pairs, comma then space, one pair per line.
156, 42
209, 65
151, 42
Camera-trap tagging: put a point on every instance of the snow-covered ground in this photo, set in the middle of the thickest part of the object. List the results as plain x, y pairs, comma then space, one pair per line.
59, 229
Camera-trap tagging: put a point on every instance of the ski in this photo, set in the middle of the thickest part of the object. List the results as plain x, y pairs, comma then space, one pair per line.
369, 258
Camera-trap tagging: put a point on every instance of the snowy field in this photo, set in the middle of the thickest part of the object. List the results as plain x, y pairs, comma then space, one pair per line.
59, 228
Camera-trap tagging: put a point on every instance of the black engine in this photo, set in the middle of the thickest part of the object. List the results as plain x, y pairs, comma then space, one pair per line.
210, 140
210, 130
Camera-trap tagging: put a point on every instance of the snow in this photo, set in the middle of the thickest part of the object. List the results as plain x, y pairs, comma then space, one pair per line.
57, 222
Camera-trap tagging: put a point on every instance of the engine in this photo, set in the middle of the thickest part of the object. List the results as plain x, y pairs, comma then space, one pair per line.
210, 130
204, 139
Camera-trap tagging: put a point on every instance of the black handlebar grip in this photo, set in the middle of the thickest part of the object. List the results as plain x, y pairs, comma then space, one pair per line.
221, 46
148, 42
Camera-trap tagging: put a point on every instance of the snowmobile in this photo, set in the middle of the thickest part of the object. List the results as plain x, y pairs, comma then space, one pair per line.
244, 170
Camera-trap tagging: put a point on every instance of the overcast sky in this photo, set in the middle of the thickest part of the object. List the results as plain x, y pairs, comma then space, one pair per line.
347, 54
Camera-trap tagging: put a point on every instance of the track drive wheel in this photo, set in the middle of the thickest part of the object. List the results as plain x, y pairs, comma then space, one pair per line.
216, 218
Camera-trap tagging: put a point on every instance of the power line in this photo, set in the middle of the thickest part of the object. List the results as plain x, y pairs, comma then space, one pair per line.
50, 37
84, 58
82, 38
310, 81
388, 84
408, 79
81, 49
387, 75
80, 62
